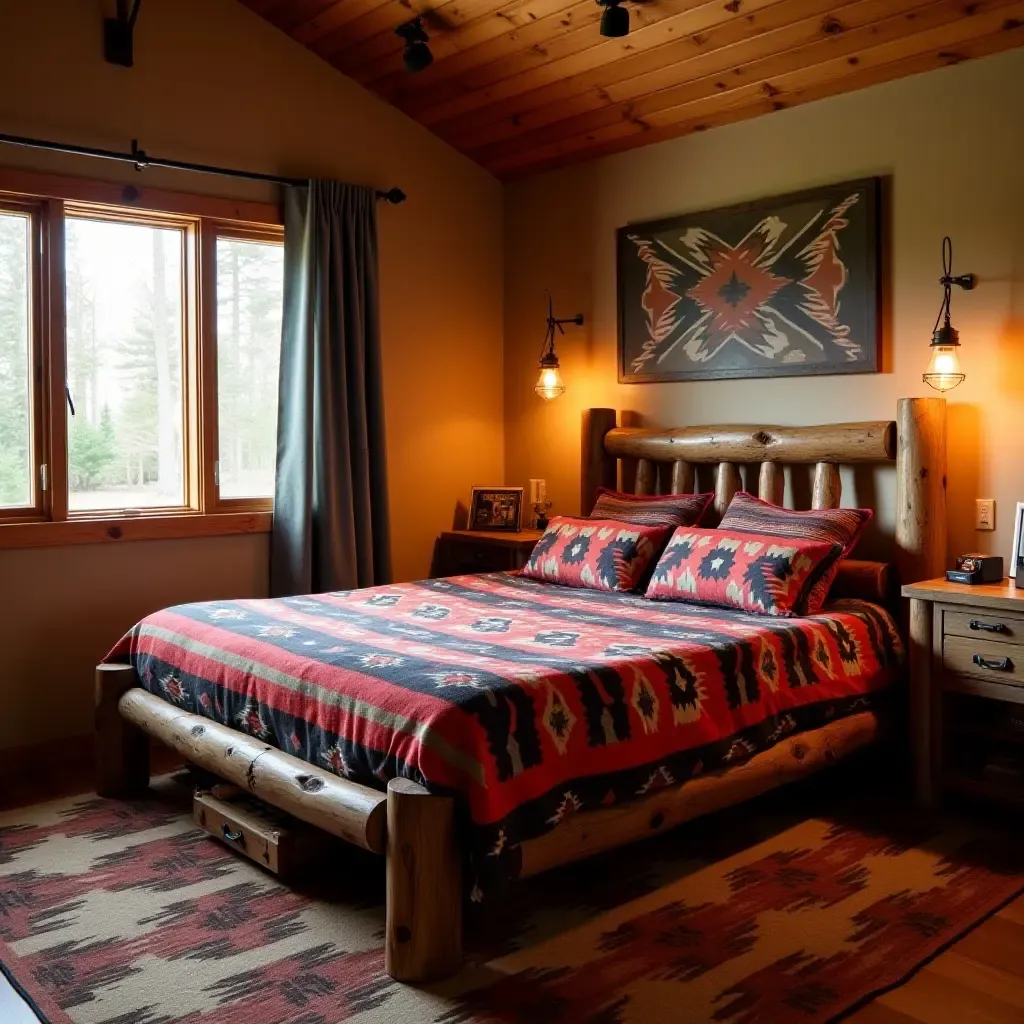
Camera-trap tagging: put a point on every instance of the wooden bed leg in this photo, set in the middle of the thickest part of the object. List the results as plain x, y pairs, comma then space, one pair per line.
424, 885
122, 750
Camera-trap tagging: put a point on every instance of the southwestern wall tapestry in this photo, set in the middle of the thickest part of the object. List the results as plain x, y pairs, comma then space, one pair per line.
781, 287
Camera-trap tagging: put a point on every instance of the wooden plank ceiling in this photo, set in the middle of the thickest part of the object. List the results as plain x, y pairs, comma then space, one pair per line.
528, 85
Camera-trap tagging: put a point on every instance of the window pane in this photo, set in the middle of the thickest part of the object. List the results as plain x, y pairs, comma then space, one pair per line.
16, 483
250, 285
124, 344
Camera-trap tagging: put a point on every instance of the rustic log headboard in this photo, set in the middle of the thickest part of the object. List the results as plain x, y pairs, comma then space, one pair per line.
915, 441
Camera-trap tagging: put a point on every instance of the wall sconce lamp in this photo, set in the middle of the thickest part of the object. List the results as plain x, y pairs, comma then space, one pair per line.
943, 372
549, 384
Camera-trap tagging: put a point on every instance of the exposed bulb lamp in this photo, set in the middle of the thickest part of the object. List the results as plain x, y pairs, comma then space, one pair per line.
943, 372
549, 384
417, 55
614, 20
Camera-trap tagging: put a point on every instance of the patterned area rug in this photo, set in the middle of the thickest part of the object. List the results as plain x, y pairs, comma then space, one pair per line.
124, 913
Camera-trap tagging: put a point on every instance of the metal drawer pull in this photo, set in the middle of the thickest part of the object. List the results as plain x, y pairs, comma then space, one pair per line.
235, 837
989, 627
997, 664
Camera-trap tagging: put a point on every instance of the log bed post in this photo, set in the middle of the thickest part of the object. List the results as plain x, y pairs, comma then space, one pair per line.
122, 749
921, 488
423, 940
598, 467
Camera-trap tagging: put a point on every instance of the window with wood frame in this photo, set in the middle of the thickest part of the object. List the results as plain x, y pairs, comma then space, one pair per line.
139, 354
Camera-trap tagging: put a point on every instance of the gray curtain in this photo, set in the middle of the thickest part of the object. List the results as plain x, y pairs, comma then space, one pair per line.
330, 501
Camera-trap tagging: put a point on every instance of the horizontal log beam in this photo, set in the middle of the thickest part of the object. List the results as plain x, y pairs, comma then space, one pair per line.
592, 832
345, 809
841, 443
869, 581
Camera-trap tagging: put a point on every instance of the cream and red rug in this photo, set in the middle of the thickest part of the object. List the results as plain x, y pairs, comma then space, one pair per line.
123, 913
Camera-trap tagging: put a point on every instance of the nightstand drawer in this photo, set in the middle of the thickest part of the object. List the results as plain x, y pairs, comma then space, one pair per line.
983, 625
995, 661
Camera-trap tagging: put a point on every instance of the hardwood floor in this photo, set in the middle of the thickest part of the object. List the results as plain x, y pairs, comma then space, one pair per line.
979, 980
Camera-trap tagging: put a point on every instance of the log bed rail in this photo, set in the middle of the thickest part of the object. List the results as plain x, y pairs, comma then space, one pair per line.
414, 830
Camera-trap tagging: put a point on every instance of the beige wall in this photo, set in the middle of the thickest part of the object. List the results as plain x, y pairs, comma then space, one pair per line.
214, 84
951, 144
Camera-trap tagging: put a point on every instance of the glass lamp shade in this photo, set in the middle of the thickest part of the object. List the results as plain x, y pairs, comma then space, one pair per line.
943, 372
549, 384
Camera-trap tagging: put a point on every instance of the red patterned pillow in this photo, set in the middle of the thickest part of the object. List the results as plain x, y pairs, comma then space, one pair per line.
605, 555
840, 526
670, 510
756, 573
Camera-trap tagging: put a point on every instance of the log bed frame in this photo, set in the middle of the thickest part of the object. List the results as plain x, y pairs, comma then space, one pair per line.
414, 830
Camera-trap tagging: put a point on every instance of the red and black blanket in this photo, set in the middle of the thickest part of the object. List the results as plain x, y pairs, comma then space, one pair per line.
527, 700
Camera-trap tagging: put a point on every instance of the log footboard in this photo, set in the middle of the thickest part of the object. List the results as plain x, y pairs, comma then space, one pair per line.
414, 830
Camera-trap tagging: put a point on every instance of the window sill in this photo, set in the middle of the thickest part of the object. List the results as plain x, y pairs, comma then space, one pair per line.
117, 530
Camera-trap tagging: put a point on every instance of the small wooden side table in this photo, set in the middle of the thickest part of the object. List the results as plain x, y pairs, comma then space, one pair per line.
967, 689
462, 552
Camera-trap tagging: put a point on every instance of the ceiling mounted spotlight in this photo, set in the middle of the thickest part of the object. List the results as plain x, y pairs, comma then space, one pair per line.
615, 20
417, 55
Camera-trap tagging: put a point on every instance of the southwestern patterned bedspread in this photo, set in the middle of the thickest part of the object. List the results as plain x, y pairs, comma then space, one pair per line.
528, 700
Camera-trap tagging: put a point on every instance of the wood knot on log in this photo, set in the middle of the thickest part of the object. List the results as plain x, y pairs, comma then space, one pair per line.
799, 752
762, 437
310, 783
197, 730
403, 933
657, 820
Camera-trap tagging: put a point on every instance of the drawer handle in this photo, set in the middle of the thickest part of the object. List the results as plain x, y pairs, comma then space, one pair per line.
989, 627
996, 664
239, 837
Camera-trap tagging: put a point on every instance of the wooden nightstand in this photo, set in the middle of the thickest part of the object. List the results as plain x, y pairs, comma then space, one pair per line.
967, 689
461, 552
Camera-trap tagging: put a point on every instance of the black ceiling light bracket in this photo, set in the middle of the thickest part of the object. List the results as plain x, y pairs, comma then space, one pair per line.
416, 56
614, 20
119, 34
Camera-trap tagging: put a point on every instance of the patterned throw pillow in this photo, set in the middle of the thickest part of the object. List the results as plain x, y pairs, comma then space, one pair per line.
651, 510
762, 574
606, 555
840, 526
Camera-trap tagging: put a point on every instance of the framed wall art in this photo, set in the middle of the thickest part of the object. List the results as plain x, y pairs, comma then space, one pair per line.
496, 508
780, 287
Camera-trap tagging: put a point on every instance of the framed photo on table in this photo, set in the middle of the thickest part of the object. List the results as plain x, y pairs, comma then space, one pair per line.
496, 508
1016, 566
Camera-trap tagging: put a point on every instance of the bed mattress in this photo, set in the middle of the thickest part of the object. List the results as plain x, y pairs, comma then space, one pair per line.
528, 701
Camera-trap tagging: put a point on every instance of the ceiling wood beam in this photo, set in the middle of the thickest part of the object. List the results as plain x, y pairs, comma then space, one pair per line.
720, 51
568, 53
523, 86
646, 107
378, 60
963, 39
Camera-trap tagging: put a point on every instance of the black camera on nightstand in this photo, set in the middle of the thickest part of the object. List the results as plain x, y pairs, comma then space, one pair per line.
978, 569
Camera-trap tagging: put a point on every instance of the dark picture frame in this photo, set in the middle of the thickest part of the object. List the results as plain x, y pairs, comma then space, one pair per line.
496, 509
781, 287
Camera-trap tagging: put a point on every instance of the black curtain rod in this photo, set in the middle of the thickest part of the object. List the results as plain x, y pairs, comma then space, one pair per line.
141, 159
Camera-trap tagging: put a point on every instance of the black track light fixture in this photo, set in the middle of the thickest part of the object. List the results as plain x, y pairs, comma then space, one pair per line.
615, 20
417, 55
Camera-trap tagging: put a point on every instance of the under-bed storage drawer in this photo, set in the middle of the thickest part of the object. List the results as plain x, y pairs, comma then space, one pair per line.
261, 833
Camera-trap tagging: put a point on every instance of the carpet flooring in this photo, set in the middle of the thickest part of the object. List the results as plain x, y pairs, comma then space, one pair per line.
124, 913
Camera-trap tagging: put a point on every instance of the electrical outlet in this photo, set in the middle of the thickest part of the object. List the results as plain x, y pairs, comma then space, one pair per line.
985, 514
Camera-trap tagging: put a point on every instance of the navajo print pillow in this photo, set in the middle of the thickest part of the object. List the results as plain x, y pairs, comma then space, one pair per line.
606, 555
762, 574
841, 526
651, 510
